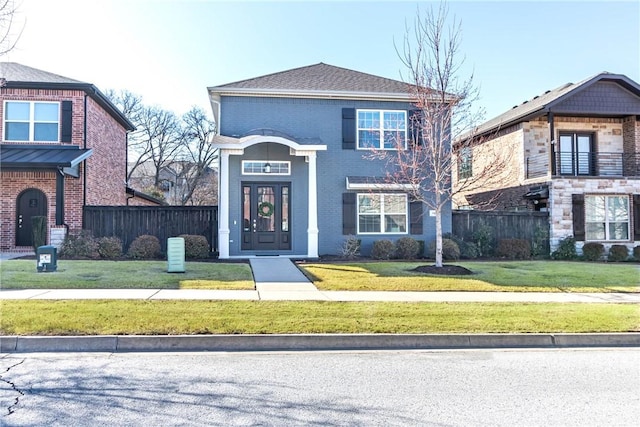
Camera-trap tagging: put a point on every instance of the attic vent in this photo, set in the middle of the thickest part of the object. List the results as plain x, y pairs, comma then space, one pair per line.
547, 92
536, 97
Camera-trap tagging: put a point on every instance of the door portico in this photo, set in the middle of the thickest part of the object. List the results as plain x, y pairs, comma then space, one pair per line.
274, 228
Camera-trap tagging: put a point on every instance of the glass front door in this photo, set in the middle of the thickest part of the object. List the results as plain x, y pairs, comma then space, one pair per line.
266, 216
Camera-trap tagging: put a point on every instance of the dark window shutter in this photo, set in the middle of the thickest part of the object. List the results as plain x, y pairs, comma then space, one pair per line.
66, 120
578, 216
636, 217
415, 127
415, 217
348, 213
348, 128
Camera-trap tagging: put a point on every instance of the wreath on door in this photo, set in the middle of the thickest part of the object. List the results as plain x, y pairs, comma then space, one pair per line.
265, 209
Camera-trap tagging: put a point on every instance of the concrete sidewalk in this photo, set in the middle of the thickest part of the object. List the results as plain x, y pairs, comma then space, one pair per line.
308, 292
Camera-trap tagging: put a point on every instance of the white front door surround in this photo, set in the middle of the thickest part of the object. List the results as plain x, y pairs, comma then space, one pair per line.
229, 146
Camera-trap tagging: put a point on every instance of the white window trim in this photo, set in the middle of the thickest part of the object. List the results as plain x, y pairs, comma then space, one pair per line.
264, 162
32, 121
381, 129
606, 220
382, 214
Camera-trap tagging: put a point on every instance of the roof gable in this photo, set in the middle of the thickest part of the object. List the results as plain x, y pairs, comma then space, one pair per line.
605, 93
319, 79
14, 72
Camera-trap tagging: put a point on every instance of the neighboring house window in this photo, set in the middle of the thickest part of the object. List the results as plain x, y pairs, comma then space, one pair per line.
31, 121
382, 213
606, 217
262, 167
465, 163
576, 154
381, 129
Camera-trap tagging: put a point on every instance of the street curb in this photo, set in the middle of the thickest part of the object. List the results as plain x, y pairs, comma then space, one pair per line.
308, 342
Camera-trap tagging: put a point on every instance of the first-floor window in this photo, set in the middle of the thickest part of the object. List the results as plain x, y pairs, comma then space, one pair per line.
382, 213
607, 217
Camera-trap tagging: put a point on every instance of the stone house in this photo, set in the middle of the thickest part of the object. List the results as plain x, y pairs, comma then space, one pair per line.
576, 155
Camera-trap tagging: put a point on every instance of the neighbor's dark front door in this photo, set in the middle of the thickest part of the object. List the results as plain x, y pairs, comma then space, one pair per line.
30, 203
266, 216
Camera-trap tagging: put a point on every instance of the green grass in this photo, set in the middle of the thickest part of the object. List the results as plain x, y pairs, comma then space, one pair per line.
21, 274
510, 276
121, 317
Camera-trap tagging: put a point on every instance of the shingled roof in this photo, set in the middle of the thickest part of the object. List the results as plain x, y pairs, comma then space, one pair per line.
555, 101
318, 80
14, 75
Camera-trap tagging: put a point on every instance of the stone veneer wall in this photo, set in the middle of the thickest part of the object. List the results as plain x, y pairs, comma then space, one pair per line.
560, 202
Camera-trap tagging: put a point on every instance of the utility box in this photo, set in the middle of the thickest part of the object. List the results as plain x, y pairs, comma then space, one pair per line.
175, 255
47, 257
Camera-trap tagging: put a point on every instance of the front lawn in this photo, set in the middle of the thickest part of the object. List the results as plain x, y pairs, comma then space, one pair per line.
507, 276
134, 317
21, 274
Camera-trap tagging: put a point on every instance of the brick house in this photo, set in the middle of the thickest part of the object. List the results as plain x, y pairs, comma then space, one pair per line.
576, 155
63, 147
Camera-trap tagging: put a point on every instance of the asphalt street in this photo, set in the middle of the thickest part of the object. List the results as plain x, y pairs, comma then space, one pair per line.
567, 387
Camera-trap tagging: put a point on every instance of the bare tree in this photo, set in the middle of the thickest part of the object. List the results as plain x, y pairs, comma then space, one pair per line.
8, 36
443, 103
198, 155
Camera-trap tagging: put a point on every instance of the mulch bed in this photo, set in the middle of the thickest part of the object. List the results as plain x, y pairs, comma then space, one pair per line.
445, 270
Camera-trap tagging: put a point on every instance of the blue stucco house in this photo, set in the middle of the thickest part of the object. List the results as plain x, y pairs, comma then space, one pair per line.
295, 177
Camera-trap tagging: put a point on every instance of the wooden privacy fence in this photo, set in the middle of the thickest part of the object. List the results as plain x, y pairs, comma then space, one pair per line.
129, 222
506, 225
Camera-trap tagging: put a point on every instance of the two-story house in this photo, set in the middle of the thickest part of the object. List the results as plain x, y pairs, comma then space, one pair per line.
576, 155
295, 178
63, 147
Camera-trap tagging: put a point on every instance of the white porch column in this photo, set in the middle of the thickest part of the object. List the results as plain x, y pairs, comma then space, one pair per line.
223, 206
312, 231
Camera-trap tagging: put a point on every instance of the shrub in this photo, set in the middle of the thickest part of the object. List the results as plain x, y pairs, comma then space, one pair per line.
636, 253
468, 250
38, 231
110, 247
450, 250
350, 247
483, 238
592, 251
514, 248
195, 246
540, 242
79, 244
382, 249
144, 247
407, 248
618, 253
566, 249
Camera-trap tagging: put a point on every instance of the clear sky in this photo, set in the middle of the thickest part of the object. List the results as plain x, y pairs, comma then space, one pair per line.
170, 51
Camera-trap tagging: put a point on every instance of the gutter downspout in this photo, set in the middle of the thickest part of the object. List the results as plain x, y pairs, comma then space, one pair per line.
552, 136
84, 169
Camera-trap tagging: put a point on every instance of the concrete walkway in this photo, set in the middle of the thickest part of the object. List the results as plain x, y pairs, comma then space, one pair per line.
285, 292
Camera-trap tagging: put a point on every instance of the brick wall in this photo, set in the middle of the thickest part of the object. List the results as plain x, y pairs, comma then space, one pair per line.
106, 168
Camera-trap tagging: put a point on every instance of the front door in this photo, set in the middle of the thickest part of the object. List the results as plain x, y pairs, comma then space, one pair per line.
266, 216
30, 203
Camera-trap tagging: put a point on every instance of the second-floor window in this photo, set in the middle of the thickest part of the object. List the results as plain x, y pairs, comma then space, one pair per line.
465, 163
607, 217
576, 154
31, 121
381, 129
